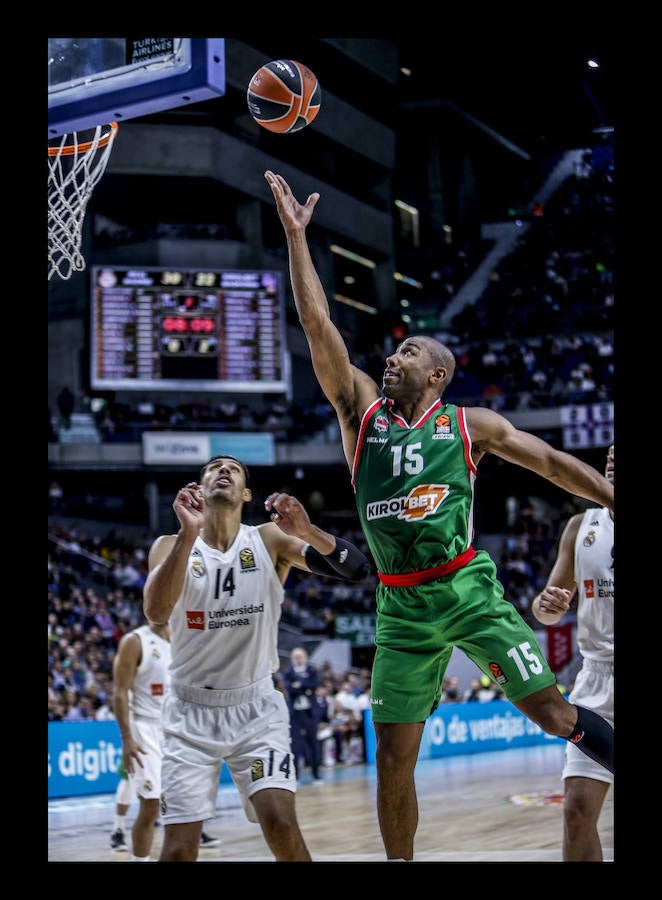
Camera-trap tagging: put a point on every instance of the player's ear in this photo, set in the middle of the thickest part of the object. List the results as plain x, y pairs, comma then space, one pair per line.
248, 494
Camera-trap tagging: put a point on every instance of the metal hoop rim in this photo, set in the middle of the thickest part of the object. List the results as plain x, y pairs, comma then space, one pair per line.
70, 149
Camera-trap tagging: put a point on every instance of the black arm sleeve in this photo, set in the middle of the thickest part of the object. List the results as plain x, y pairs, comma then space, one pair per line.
346, 562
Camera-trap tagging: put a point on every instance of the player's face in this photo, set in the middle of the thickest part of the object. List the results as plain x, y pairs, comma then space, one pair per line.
407, 370
224, 477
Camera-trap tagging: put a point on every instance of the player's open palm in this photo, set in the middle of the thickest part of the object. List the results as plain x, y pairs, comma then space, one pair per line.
292, 214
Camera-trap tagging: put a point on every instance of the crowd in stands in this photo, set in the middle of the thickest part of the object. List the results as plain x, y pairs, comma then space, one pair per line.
560, 277
541, 334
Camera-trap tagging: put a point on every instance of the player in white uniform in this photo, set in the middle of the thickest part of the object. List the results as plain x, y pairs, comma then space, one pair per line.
219, 582
585, 564
125, 792
141, 676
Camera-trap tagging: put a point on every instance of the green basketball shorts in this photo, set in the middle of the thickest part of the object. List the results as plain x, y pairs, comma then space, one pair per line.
418, 626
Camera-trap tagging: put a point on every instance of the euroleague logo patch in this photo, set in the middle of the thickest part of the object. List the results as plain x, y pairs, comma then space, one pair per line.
257, 770
498, 674
246, 558
442, 428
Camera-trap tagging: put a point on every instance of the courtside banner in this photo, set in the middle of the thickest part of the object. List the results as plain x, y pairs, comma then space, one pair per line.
191, 448
358, 628
83, 758
457, 728
560, 646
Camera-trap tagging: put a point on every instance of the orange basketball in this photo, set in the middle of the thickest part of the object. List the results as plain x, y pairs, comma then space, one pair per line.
284, 96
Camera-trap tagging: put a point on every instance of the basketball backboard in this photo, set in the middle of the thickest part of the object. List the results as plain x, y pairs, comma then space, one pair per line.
93, 81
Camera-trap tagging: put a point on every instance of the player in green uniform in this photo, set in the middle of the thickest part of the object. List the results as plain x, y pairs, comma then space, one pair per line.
414, 461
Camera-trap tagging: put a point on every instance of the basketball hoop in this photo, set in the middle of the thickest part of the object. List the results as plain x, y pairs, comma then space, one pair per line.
74, 168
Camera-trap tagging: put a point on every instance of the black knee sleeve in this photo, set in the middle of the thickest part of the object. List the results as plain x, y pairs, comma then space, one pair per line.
594, 736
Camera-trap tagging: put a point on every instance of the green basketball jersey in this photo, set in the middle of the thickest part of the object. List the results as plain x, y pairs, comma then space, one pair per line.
414, 486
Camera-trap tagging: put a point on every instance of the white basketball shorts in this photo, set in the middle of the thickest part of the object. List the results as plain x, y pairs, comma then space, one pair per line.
252, 738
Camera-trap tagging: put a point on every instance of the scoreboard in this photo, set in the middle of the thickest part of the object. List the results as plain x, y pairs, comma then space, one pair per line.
188, 329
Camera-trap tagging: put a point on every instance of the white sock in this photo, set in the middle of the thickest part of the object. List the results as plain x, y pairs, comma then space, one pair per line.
119, 822
141, 859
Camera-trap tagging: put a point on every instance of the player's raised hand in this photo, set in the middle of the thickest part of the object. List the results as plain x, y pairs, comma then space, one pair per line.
189, 506
288, 513
293, 214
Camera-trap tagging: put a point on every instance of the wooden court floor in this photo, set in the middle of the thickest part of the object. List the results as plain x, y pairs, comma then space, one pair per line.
500, 807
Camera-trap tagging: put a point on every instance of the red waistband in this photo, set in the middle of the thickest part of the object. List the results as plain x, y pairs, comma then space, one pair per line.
411, 578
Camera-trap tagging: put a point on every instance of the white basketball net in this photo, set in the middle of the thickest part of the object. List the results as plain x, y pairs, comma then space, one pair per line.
74, 168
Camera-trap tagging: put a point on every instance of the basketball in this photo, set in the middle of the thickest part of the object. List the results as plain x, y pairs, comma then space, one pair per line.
284, 96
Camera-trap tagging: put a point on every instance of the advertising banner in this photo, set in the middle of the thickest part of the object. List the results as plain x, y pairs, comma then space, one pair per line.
83, 758
190, 448
457, 728
358, 629
559, 645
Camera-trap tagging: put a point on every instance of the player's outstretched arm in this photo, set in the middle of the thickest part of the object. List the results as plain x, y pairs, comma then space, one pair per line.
349, 390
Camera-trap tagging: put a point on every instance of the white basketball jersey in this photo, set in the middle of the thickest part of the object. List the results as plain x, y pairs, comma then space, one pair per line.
152, 677
224, 626
594, 574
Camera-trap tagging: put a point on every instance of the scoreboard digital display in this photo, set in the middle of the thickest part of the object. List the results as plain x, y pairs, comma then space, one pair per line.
188, 329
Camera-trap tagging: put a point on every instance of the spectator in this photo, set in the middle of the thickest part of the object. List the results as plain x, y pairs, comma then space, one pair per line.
323, 713
105, 712
471, 695
347, 722
55, 497
105, 622
300, 681
450, 689
79, 707
488, 690
65, 404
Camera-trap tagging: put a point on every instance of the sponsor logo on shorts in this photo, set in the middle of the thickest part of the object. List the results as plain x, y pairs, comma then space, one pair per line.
257, 769
195, 618
163, 805
498, 673
246, 558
